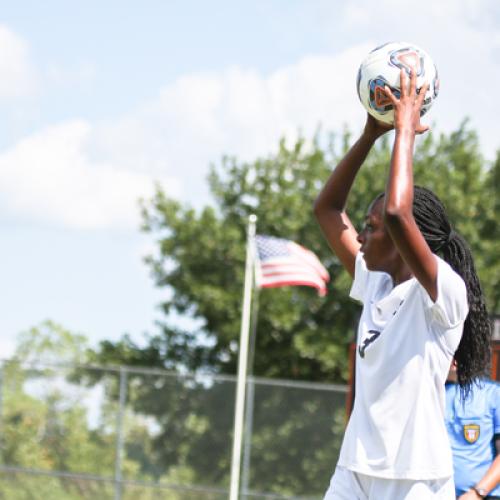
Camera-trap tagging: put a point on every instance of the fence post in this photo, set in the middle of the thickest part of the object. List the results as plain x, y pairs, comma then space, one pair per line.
120, 433
247, 446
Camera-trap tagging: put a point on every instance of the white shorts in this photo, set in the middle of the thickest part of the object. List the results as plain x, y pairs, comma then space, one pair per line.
349, 485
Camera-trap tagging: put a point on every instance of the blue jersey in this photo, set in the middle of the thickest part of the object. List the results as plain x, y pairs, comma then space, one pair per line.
472, 425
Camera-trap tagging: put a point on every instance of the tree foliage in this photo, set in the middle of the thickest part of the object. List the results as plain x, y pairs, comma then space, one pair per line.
200, 258
59, 437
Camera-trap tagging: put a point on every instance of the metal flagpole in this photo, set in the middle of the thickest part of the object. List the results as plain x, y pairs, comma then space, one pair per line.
243, 360
248, 428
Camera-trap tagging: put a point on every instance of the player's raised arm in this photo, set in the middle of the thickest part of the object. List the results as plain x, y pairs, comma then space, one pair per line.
398, 210
329, 207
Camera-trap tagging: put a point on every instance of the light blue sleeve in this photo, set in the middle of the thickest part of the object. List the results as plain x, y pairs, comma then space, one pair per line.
495, 396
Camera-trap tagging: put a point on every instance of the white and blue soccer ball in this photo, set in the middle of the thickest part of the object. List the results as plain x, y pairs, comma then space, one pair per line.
382, 67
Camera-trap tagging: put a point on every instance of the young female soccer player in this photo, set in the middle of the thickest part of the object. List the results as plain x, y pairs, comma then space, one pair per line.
422, 305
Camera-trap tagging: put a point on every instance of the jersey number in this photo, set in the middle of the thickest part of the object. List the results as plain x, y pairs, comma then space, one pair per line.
374, 336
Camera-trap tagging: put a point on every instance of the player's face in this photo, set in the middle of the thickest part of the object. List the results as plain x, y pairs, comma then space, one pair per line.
379, 251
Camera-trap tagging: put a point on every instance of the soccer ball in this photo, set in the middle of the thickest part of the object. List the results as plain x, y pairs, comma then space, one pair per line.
382, 67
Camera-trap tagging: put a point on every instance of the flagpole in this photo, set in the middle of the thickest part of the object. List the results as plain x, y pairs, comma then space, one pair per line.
250, 395
243, 360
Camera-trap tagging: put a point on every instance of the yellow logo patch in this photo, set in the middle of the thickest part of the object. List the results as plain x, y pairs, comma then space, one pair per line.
471, 432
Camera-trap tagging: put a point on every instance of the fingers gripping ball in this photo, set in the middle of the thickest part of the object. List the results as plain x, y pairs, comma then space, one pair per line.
383, 66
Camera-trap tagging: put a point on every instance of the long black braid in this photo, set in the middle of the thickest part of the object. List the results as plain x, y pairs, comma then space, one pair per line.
473, 353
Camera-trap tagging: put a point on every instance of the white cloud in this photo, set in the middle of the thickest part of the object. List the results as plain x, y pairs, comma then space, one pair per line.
17, 76
200, 117
48, 176
90, 175
80, 74
87, 176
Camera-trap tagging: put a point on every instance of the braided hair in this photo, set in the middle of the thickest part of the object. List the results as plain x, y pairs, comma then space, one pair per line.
473, 353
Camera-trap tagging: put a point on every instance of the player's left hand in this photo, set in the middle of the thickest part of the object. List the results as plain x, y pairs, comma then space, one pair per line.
407, 108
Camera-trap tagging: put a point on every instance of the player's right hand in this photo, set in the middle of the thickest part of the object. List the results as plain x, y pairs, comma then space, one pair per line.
407, 109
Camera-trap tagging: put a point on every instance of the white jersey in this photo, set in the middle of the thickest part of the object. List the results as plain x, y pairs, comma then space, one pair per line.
405, 345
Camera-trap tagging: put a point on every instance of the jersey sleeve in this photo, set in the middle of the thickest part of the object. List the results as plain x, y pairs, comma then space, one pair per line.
361, 274
451, 307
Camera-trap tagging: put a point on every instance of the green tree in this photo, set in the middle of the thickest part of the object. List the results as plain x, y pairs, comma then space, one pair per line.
200, 263
50, 342
45, 421
200, 258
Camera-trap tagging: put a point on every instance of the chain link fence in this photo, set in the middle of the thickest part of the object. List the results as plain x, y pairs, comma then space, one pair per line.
85, 432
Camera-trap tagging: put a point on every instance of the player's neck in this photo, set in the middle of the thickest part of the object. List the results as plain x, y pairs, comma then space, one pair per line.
401, 274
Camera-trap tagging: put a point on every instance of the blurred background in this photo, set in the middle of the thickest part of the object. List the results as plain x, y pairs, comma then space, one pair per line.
135, 140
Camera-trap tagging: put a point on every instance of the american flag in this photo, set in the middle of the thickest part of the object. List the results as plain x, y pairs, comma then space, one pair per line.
282, 262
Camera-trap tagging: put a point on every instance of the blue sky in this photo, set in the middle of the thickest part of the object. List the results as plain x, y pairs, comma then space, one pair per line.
100, 99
